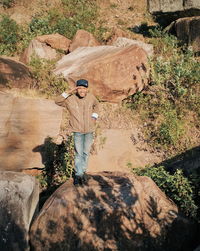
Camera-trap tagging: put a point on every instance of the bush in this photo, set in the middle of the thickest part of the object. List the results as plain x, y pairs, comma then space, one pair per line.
9, 35
177, 187
170, 130
173, 93
45, 81
65, 20
72, 16
58, 162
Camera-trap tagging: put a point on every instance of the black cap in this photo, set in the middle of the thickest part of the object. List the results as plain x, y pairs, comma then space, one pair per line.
82, 82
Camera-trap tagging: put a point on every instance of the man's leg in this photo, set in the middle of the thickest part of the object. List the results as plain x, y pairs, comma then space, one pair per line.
88, 140
79, 158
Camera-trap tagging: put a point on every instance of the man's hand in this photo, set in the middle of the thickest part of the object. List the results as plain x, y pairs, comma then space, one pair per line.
72, 90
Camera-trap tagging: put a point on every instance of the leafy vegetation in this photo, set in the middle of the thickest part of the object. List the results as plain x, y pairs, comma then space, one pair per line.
174, 94
45, 81
65, 20
9, 35
176, 186
58, 162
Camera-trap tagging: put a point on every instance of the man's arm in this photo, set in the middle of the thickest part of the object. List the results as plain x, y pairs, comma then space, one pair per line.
61, 99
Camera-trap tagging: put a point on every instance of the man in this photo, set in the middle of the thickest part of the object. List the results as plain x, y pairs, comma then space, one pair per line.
83, 110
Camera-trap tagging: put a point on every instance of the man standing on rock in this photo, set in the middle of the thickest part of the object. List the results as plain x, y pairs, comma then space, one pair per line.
83, 110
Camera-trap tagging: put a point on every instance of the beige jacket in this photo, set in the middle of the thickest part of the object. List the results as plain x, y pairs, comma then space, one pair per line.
81, 111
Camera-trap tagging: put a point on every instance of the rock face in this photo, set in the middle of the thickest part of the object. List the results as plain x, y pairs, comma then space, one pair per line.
113, 72
19, 196
124, 42
14, 74
56, 41
116, 32
188, 31
117, 150
25, 124
116, 211
167, 10
172, 6
83, 39
38, 49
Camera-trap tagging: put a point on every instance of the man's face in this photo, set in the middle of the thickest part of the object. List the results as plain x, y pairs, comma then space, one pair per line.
82, 91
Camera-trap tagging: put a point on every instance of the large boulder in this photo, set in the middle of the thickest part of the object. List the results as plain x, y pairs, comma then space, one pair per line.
114, 211
188, 31
83, 38
38, 49
120, 149
124, 42
56, 41
25, 125
167, 11
14, 74
19, 196
113, 72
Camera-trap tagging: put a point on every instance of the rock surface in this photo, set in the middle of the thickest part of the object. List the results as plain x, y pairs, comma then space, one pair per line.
118, 150
56, 41
116, 211
14, 74
38, 49
83, 38
188, 31
167, 11
19, 196
172, 6
124, 42
115, 34
113, 72
25, 124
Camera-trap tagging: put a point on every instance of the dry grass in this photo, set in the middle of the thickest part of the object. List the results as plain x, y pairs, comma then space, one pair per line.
116, 116
26, 93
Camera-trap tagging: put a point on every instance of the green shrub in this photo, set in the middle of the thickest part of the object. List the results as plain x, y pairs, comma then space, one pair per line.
39, 25
45, 81
65, 20
72, 16
9, 35
177, 187
58, 162
173, 93
171, 129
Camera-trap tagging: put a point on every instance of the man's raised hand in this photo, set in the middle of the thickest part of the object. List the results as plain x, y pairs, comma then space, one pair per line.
72, 90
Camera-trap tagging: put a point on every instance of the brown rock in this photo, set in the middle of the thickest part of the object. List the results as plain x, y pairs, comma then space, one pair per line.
113, 73
56, 41
115, 34
83, 39
38, 49
117, 150
25, 125
124, 42
188, 31
116, 211
14, 74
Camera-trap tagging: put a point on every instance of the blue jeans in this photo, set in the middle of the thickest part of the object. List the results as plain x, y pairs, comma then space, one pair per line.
82, 144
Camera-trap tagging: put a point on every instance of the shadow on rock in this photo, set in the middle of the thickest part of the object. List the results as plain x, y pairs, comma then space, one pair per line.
12, 236
115, 211
57, 159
